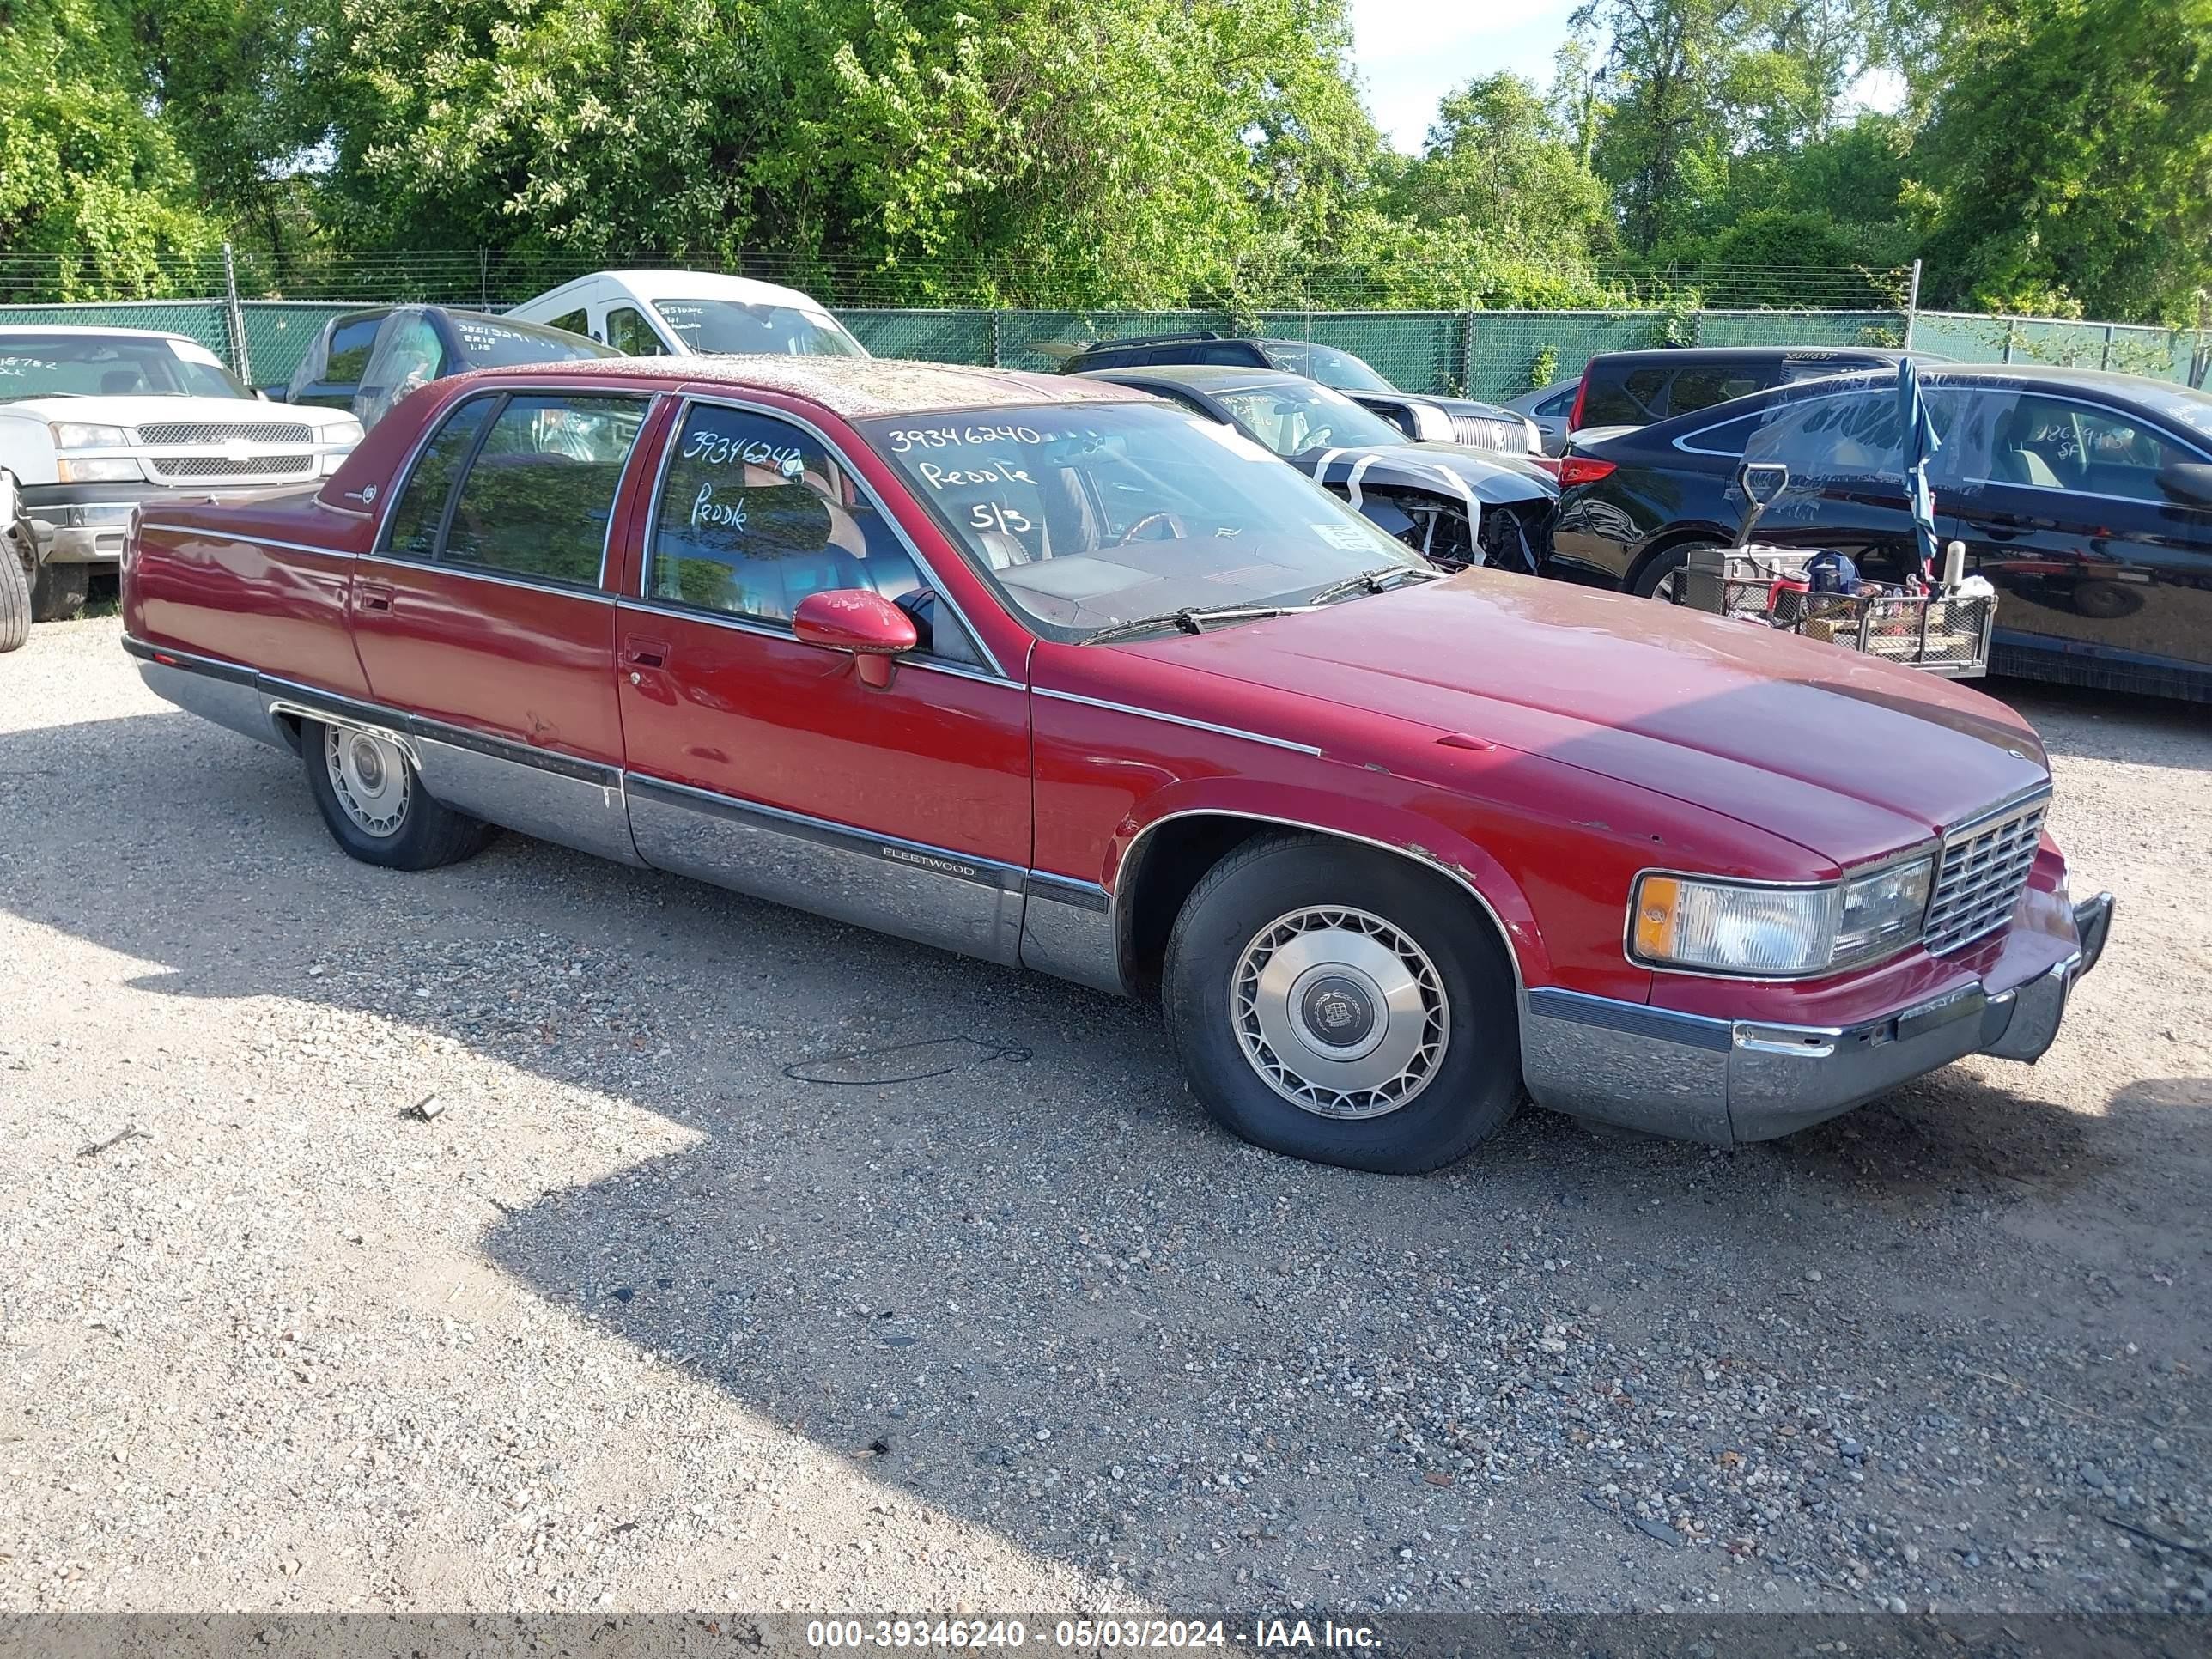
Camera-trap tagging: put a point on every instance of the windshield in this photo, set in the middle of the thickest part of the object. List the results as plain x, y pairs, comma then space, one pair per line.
110, 366
1086, 517
1325, 364
495, 343
1301, 418
727, 326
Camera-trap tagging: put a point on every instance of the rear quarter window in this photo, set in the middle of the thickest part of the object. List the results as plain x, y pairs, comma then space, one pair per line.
1619, 399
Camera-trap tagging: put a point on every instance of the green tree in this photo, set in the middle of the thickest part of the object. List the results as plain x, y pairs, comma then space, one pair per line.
89, 178
2068, 157
1497, 160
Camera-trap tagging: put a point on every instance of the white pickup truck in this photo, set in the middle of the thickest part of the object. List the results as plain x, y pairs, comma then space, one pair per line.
95, 421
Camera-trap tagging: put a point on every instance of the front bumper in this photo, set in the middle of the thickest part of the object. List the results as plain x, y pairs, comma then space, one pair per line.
1695, 1078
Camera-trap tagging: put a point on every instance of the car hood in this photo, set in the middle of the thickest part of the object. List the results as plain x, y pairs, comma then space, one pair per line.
1848, 757
1435, 469
147, 412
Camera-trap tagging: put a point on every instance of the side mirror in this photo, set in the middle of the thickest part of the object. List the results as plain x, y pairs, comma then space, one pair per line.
2187, 481
867, 626
1761, 482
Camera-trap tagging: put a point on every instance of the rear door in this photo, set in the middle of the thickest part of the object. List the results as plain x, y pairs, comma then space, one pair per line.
766, 765
2059, 503
483, 612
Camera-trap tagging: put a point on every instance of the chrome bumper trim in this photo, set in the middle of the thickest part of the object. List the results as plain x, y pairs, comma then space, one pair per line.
1730, 1082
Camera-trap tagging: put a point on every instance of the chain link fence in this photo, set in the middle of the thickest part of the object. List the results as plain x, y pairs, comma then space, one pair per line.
1480, 352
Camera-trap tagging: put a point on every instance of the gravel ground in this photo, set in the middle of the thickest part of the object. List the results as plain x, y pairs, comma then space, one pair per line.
743, 1260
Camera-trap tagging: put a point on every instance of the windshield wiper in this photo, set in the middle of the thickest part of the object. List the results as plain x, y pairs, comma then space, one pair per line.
1377, 580
1191, 619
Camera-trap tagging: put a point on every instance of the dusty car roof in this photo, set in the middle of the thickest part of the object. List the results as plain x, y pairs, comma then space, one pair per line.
857, 388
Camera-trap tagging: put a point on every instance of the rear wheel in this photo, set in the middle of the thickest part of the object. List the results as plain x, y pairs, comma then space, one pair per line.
59, 593
374, 804
1661, 578
1342, 1004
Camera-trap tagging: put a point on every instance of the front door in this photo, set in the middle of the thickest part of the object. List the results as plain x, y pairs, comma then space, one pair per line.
766, 765
483, 614
2060, 505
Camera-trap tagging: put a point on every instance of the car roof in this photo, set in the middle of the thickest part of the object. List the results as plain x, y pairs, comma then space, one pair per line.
1200, 377
1762, 353
47, 330
685, 285
853, 387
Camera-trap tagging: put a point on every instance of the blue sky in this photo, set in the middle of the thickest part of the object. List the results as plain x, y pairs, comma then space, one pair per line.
1411, 53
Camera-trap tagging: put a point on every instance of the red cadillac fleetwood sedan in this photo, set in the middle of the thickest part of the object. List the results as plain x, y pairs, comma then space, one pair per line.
1049, 672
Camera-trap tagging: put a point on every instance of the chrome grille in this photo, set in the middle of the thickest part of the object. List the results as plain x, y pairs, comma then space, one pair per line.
223, 466
1479, 433
1985, 866
219, 432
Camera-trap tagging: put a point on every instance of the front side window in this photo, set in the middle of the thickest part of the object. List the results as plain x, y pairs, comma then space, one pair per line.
523, 485
729, 325
1084, 517
1300, 418
631, 336
350, 342
2054, 443
756, 513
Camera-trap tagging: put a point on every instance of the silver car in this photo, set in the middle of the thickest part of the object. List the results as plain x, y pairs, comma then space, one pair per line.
1549, 407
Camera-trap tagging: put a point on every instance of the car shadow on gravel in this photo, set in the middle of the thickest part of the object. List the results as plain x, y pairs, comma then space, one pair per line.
969, 1229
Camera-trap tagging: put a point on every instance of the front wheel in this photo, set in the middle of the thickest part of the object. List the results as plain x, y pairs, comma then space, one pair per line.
1342, 1004
374, 804
1661, 578
60, 591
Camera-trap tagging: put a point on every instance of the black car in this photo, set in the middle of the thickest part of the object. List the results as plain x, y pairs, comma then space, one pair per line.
2084, 497
1634, 388
1425, 494
366, 361
1417, 415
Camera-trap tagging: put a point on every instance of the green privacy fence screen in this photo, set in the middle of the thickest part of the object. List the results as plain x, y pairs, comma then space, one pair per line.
1482, 354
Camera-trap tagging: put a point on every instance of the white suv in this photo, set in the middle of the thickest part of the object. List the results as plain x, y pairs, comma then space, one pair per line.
93, 421
685, 313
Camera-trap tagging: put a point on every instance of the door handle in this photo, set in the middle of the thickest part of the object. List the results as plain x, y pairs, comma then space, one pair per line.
373, 596
645, 653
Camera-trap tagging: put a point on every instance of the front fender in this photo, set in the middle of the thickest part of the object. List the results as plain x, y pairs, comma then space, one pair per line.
1393, 826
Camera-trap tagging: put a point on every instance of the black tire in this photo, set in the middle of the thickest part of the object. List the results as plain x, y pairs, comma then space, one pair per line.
1663, 566
58, 594
15, 597
1467, 1092
423, 835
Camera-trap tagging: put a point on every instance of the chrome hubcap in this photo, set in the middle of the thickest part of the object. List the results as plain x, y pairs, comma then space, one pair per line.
1339, 1012
369, 777
1669, 590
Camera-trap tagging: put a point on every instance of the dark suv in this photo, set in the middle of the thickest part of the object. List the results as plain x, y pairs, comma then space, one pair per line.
366, 361
1635, 388
1420, 415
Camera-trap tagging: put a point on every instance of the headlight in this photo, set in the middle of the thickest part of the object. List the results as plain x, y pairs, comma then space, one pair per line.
1430, 424
342, 434
1730, 927
76, 435
107, 470
1534, 435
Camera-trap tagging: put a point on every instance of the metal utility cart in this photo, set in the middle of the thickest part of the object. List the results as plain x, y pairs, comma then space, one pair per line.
1944, 628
